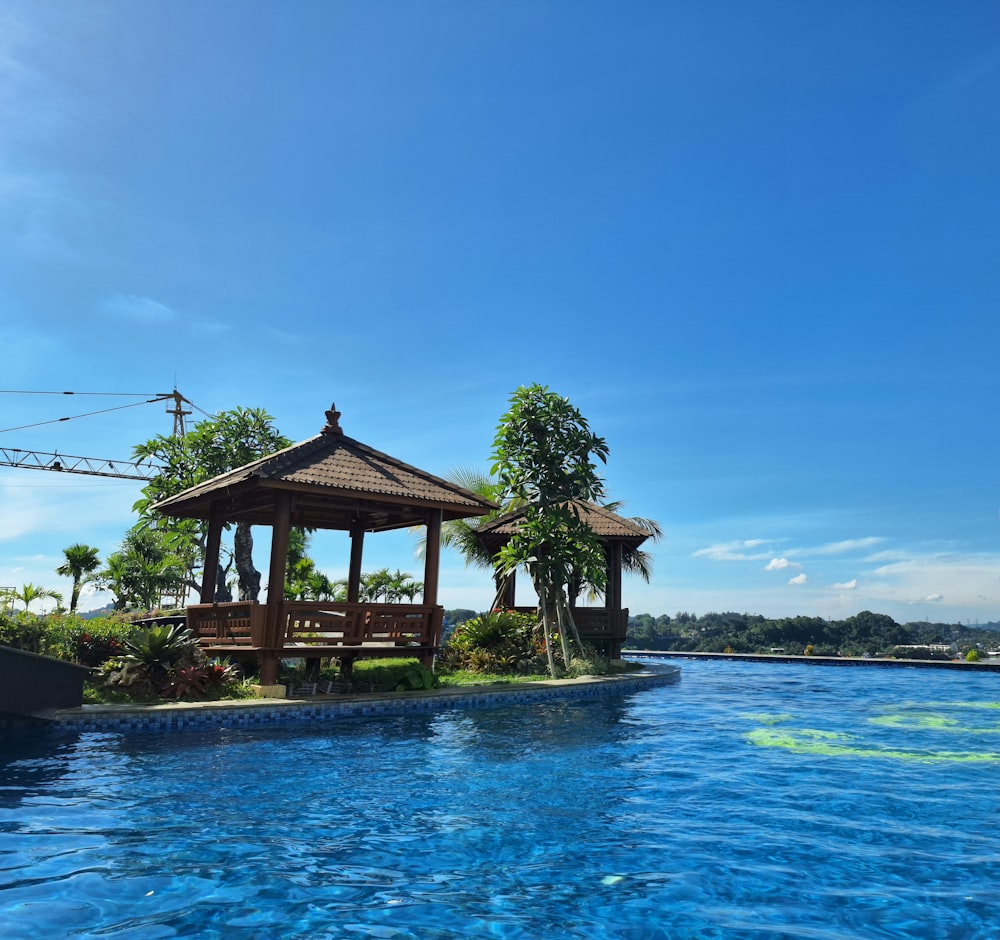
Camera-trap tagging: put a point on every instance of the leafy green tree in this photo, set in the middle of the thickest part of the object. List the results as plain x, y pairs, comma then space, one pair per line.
143, 570
544, 457
81, 562
30, 593
216, 445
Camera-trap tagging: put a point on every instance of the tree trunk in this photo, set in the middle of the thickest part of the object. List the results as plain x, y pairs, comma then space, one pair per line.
249, 576
222, 593
547, 633
567, 612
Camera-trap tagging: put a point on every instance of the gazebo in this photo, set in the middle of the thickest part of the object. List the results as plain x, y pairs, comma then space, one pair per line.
330, 481
604, 627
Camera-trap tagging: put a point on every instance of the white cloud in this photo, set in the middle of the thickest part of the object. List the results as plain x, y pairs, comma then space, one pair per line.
135, 307
779, 564
846, 585
846, 545
732, 551
935, 598
799, 579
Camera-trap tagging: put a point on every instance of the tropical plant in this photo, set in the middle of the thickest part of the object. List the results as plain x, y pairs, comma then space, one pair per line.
387, 587
500, 642
543, 456
29, 593
303, 580
216, 445
143, 570
81, 562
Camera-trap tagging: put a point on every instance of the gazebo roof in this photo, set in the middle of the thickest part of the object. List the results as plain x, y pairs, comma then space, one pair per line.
335, 482
606, 525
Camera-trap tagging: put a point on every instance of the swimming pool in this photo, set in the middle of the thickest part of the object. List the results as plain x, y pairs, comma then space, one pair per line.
747, 800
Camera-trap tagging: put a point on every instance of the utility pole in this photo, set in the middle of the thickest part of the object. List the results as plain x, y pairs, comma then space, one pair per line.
178, 412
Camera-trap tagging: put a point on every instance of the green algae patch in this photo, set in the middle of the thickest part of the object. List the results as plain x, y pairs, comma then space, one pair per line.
837, 744
918, 722
921, 717
766, 718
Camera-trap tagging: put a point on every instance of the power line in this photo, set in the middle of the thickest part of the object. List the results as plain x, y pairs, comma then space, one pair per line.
12, 391
88, 414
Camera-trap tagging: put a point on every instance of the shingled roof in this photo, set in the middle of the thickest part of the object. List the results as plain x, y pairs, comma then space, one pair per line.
336, 483
605, 524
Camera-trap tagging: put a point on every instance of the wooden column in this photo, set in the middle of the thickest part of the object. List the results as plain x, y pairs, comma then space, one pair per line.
354, 572
210, 573
273, 616
613, 600
613, 594
508, 596
432, 557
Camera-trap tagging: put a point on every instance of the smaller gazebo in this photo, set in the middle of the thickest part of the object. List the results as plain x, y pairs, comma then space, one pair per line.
330, 481
604, 627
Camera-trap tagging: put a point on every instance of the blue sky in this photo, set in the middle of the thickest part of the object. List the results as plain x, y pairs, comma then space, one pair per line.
756, 243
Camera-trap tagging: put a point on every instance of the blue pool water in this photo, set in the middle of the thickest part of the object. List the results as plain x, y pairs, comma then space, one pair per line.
745, 800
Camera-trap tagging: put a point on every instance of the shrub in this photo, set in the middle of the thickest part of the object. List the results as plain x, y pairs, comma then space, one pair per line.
391, 675
502, 642
65, 636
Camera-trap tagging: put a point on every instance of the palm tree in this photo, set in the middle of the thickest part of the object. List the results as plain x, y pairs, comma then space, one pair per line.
460, 534
30, 593
81, 562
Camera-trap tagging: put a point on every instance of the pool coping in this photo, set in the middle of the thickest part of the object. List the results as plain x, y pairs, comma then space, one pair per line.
249, 713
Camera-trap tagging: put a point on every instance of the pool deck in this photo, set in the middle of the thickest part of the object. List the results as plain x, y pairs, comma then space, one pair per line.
324, 709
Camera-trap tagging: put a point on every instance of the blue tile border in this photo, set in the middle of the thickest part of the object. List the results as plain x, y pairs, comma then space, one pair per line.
269, 712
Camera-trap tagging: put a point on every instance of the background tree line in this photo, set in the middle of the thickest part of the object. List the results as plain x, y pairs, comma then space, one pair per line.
865, 633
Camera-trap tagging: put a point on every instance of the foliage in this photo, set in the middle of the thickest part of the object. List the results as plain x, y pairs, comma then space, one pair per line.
864, 634
64, 636
164, 661
385, 587
303, 581
503, 642
216, 445
391, 675
143, 570
81, 562
543, 456
29, 593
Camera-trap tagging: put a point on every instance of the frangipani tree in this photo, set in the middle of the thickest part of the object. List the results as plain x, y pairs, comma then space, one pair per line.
224, 442
544, 457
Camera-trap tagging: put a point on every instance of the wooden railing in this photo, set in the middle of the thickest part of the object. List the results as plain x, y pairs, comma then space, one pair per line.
228, 625
596, 623
318, 624
317, 628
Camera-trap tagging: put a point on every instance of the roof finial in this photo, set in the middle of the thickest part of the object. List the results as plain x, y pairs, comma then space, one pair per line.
333, 421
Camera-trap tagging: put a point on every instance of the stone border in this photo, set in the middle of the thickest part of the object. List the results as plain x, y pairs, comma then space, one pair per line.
253, 713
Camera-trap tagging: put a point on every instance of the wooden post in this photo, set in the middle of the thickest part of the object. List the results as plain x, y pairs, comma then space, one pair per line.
613, 600
274, 615
613, 593
210, 573
432, 557
354, 572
